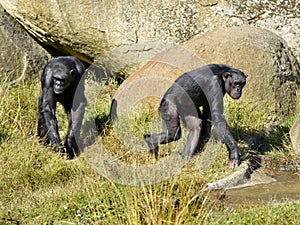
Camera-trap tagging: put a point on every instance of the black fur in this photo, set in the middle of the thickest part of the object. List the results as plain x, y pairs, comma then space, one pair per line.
203, 87
62, 81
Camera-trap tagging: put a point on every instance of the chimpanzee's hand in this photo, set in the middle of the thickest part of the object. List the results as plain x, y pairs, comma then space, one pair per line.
234, 159
234, 163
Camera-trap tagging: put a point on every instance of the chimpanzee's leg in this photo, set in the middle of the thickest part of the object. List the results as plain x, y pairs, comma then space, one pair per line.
194, 138
75, 117
171, 127
41, 130
206, 126
70, 142
194, 124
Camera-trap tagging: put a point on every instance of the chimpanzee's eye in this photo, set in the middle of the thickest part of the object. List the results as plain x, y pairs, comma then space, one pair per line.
58, 79
238, 83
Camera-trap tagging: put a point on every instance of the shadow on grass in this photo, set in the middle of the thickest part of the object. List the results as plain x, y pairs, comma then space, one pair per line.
268, 146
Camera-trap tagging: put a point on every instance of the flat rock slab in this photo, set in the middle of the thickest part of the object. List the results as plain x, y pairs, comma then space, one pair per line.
244, 176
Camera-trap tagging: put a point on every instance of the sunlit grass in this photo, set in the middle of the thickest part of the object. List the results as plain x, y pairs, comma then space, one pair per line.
37, 186
246, 119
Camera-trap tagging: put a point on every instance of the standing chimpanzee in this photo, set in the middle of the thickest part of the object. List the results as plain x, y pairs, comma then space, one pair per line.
62, 81
204, 87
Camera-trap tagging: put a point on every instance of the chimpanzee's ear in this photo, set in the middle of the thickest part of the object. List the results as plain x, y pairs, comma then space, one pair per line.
73, 72
226, 75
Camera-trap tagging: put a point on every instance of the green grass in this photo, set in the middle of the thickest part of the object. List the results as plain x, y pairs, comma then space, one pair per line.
37, 186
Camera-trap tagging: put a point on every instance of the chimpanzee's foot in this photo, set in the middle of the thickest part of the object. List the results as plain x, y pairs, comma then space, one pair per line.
72, 153
189, 156
58, 148
72, 148
152, 148
188, 153
154, 152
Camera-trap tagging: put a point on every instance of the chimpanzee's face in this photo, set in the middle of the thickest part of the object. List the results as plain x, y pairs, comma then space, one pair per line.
234, 83
61, 80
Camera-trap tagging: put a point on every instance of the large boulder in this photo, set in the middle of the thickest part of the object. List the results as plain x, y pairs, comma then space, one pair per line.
91, 28
278, 16
130, 32
20, 57
273, 71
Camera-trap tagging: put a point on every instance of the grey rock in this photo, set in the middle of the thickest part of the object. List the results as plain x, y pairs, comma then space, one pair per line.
20, 56
90, 29
273, 71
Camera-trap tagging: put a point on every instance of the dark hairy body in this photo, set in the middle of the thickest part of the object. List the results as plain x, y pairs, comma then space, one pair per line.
62, 81
204, 87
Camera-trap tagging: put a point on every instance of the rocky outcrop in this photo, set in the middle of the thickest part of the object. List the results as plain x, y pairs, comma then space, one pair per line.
279, 16
20, 57
128, 33
273, 71
90, 28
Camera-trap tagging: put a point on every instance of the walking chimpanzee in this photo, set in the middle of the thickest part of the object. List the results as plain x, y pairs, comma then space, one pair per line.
203, 87
62, 81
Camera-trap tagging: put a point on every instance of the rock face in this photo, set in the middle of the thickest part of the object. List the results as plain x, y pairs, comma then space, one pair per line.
278, 16
90, 28
130, 32
20, 55
273, 71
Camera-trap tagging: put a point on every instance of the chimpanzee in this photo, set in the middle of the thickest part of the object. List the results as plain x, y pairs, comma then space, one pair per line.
62, 81
203, 87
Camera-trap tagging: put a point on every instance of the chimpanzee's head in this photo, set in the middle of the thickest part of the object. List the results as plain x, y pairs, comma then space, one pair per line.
62, 78
234, 81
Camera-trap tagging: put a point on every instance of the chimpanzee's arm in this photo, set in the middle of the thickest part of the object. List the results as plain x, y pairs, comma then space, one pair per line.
224, 134
226, 137
47, 107
215, 100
